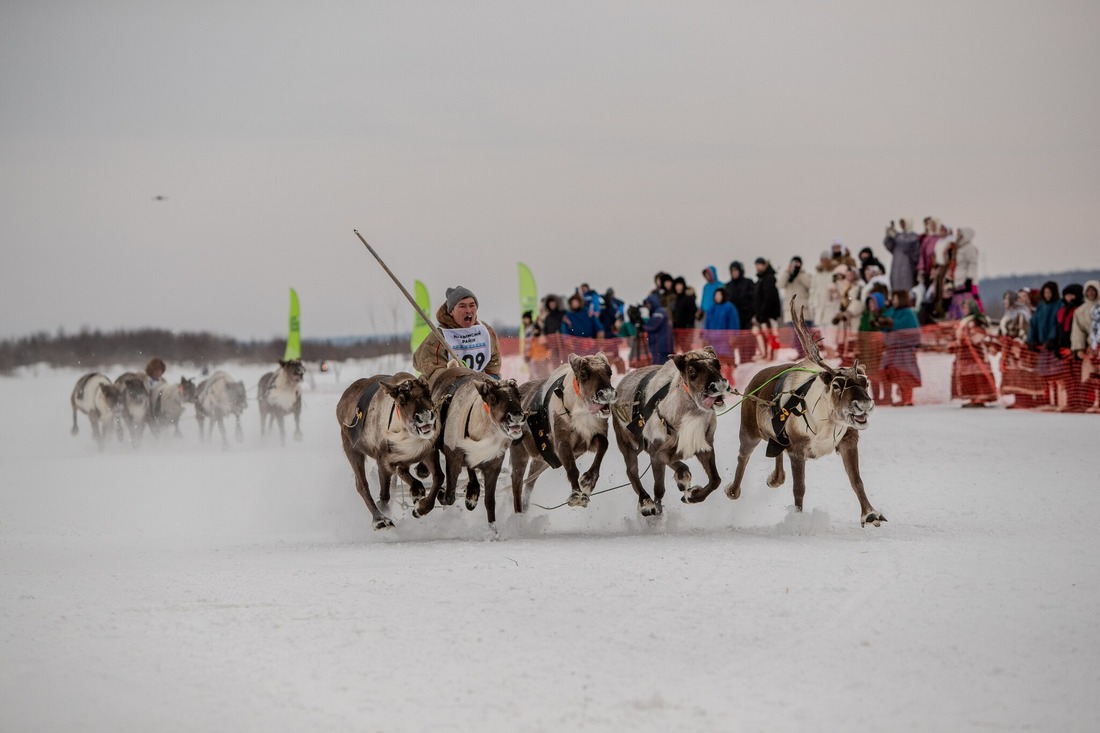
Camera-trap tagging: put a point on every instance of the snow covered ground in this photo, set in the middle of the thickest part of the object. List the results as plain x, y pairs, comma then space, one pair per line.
181, 587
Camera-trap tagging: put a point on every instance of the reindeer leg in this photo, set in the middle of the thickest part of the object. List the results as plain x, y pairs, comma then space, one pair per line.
416, 488
358, 467
777, 477
563, 447
630, 454
696, 494
454, 467
748, 444
239, 433
798, 476
492, 473
297, 418
278, 417
658, 484
221, 426
473, 489
849, 453
592, 475
385, 477
426, 504
75, 429
518, 457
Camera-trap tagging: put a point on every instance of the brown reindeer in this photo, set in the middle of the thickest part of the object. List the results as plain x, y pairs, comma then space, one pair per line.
279, 393
390, 419
567, 417
809, 413
136, 408
670, 414
483, 417
98, 398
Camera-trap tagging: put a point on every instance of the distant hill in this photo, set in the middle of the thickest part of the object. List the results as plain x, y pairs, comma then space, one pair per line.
992, 288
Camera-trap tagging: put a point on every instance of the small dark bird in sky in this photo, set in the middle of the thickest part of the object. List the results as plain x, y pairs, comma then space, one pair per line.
160, 198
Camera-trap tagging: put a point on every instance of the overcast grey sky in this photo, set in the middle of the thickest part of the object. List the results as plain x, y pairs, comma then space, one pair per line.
593, 141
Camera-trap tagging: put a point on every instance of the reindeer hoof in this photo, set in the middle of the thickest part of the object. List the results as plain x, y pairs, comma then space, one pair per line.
874, 518
647, 508
471, 502
578, 499
775, 481
733, 493
383, 523
694, 495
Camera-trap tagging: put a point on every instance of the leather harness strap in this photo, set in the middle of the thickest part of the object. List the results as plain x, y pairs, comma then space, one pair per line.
795, 406
640, 413
539, 423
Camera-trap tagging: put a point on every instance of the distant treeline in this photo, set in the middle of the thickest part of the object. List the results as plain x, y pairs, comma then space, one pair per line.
93, 349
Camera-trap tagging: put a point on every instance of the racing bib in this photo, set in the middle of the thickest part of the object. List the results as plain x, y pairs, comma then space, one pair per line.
470, 344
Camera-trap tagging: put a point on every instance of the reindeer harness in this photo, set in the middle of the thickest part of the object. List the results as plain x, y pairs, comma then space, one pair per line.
794, 406
539, 423
641, 412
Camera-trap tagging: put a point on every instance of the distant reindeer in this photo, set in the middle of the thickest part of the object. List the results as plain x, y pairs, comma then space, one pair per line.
168, 403
808, 413
280, 393
135, 412
97, 397
217, 397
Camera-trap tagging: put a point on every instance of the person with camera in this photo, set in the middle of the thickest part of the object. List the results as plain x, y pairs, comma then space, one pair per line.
904, 246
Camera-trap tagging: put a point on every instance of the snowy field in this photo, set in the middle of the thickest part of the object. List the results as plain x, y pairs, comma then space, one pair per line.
181, 587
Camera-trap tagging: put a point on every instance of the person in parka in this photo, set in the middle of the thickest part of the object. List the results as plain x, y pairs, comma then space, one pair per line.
767, 309
740, 292
658, 329
904, 246
474, 342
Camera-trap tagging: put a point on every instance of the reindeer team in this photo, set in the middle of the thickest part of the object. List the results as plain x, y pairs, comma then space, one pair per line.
667, 413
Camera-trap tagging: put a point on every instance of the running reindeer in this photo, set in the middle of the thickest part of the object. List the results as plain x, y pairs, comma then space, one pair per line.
670, 414
482, 418
390, 419
278, 394
217, 397
98, 398
808, 409
168, 403
567, 417
136, 408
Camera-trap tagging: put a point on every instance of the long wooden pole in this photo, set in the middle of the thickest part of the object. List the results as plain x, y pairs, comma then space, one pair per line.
411, 300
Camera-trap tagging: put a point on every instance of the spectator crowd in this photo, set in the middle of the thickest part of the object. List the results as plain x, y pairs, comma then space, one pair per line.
927, 298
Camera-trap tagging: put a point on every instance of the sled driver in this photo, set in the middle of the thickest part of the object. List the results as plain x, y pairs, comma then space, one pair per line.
474, 342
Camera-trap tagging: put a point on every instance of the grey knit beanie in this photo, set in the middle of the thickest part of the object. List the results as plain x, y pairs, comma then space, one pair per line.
456, 294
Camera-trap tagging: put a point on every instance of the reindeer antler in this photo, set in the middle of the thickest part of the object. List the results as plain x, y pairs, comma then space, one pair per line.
804, 337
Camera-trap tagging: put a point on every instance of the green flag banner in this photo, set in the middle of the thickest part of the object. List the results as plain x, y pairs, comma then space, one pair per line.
420, 328
294, 335
528, 298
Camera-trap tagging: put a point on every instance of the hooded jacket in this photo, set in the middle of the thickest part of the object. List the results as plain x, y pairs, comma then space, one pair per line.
1083, 319
765, 302
658, 329
709, 288
1066, 309
740, 294
1043, 331
432, 356
966, 258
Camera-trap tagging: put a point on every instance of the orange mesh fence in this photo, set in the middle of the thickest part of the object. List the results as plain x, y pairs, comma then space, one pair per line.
947, 362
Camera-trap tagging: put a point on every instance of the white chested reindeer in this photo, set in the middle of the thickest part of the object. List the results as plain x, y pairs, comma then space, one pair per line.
808, 413
279, 393
97, 397
669, 413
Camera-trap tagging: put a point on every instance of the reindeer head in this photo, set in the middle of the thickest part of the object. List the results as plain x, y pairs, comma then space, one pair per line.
849, 390
504, 405
294, 369
188, 390
413, 404
592, 382
702, 376
114, 397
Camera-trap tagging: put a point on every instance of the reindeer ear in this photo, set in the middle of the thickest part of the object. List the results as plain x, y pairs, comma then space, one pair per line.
679, 360
390, 387
603, 358
574, 362
424, 382
484, 389
710, 352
